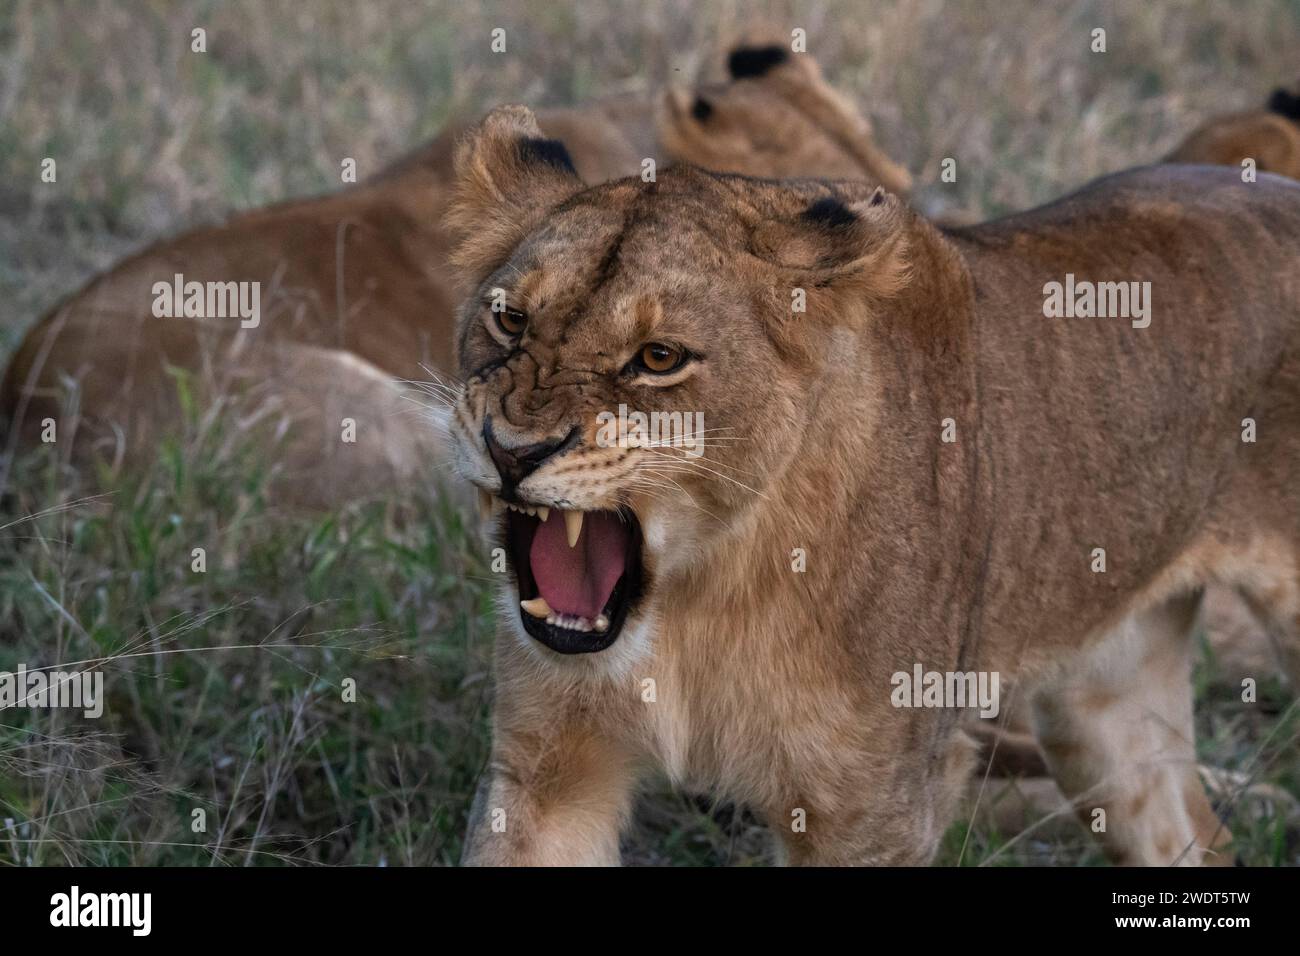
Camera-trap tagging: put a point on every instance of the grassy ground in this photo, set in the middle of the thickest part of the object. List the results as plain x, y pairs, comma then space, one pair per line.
150, 137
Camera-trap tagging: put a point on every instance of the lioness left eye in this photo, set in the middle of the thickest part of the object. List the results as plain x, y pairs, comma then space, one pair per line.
659, 359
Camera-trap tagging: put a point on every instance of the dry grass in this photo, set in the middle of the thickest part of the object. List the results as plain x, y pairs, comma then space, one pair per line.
150, 137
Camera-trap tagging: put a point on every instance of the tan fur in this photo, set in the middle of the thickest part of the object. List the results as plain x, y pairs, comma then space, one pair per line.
756, 120
1118, 734
365, 273
1268, 138
972, 555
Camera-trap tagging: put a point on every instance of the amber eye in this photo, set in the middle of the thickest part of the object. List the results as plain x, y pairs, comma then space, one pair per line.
660, 359
511, 321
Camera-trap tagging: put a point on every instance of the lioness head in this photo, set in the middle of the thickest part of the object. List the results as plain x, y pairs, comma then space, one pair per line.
776, 117
700, 307
1269, 138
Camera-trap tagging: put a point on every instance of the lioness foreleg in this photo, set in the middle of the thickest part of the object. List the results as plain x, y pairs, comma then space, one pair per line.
557, 793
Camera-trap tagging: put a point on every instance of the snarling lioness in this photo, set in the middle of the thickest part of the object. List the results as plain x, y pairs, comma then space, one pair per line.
908, 465
354, 289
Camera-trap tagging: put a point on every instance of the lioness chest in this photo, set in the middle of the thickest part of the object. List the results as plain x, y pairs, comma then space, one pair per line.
761, 709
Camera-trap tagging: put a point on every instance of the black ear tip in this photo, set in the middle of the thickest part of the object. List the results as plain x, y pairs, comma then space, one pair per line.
552, 152
749, 61
1285, 103
830, 211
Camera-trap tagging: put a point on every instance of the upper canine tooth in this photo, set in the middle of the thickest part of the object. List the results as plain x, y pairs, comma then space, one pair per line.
543, 512
537, 607
484, 505
573, 526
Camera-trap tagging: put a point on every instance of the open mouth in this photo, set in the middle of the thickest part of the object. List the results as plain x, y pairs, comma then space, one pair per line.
578, 572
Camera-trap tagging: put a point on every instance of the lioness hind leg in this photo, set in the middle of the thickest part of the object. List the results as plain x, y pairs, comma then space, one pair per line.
1275, 602
1117, 732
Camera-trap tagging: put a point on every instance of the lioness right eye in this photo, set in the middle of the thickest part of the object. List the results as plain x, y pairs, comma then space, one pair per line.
511, 322
658, 359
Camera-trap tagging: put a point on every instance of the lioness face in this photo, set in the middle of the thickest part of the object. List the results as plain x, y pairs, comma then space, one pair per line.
594, 504
776, 118
630, 386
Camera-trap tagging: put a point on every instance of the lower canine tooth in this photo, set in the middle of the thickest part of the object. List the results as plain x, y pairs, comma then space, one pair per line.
573, 526
602, 623
537, 607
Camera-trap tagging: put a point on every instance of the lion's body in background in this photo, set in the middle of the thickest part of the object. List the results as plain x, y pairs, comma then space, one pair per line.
357, 294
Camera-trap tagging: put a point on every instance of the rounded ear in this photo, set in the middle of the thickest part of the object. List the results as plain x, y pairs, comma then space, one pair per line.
839, 250
848, 238
507, 176
798, 78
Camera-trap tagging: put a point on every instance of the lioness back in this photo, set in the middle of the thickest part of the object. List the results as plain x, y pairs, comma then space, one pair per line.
1211, 337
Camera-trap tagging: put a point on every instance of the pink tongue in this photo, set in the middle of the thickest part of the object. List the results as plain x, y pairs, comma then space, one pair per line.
579, 580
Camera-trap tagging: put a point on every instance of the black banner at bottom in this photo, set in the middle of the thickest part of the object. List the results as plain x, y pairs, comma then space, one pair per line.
333, 906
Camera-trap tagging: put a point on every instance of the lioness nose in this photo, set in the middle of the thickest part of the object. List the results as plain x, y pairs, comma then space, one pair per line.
516, 464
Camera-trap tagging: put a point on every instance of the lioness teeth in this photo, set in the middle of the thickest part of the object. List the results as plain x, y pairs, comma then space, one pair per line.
537, 607
573, 526
571, 622
488, 503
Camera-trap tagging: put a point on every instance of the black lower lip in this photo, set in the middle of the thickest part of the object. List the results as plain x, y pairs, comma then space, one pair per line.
520, 529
